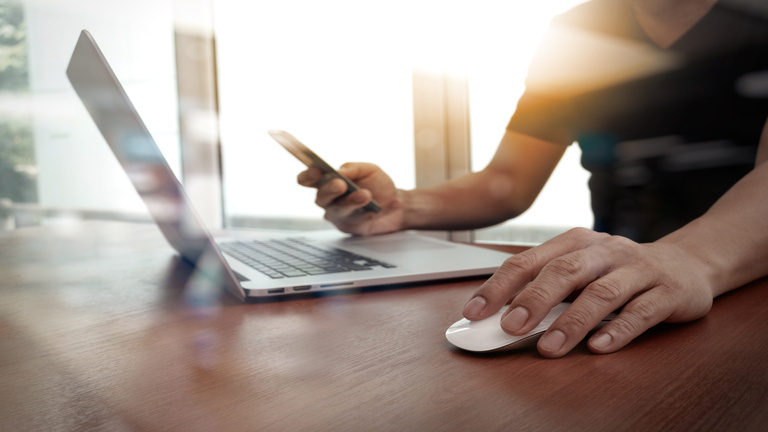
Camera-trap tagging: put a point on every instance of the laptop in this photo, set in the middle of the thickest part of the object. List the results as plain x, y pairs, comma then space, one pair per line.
257, 266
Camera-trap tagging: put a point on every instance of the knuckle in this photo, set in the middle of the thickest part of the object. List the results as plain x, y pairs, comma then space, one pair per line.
668, 284
567, 267
625, 329
494, 290
577, 319
583, 234
636, 318
607, 290
620, 243
621, 240
520, 263
580, 232
536, 294
623, 249
644, 311
515, 272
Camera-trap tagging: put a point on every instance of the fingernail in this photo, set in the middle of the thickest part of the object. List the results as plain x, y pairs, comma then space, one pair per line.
552, 341
601, 342
515, 319
474, 307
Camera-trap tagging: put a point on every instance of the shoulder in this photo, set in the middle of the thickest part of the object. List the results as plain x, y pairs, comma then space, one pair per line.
739, 21
730, 28
750, 12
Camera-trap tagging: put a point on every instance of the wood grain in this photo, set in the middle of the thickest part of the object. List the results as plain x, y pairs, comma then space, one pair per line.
95, 334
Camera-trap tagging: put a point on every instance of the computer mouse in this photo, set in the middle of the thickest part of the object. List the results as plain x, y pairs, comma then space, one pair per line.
486, 335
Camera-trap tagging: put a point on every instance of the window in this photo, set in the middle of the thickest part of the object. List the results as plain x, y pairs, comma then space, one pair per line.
17, 164
332, 73
501, 49
342, 75
338, 74
63, 154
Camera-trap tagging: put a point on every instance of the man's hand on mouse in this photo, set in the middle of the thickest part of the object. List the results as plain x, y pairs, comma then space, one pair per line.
650, 283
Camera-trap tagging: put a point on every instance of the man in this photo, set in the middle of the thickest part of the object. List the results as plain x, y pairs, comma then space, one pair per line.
679, 181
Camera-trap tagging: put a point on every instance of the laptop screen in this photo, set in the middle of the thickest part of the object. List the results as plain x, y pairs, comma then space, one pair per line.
119, 122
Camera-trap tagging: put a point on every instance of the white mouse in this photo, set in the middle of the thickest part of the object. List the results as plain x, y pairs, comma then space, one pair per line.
486, 334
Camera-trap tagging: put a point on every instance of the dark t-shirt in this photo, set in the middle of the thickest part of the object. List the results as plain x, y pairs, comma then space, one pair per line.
664, 132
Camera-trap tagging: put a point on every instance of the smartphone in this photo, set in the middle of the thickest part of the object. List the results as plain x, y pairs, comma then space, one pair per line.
310, 159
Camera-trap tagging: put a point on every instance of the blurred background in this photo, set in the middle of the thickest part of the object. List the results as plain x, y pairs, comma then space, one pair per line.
423, 88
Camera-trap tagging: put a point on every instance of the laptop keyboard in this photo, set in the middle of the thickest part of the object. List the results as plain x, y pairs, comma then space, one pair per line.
294, 257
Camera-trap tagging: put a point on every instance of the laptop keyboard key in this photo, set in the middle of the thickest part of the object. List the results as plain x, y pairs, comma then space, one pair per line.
296, 257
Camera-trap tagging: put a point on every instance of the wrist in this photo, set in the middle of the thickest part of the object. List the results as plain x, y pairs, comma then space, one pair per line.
418, 208
705, 258
407, 200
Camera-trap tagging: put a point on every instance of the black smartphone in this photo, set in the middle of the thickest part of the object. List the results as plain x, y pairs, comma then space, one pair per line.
310, 159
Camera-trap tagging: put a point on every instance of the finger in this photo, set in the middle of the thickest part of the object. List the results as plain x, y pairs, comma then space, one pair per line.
357, 171
568, 273
519, 270
642, 313
310, 177
348, 206
330, 192
599, 299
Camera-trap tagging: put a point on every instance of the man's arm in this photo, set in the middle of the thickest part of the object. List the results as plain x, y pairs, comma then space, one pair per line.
732, 237
501, 191
673, 279
504, 189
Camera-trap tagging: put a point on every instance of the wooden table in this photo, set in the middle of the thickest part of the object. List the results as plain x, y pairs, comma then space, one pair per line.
95, 334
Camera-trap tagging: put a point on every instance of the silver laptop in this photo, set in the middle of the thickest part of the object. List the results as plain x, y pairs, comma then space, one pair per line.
258, 266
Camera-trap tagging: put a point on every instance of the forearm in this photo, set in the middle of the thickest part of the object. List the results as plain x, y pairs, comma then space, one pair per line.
503, 190
473, 201
731, 239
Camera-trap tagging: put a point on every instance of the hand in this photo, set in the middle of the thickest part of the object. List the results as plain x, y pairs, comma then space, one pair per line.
346, 213
653, 282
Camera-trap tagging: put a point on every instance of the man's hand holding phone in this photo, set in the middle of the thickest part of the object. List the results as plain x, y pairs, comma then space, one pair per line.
359, 198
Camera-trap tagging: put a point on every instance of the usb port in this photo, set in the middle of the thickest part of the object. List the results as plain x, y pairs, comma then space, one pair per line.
302, 288
276, 291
